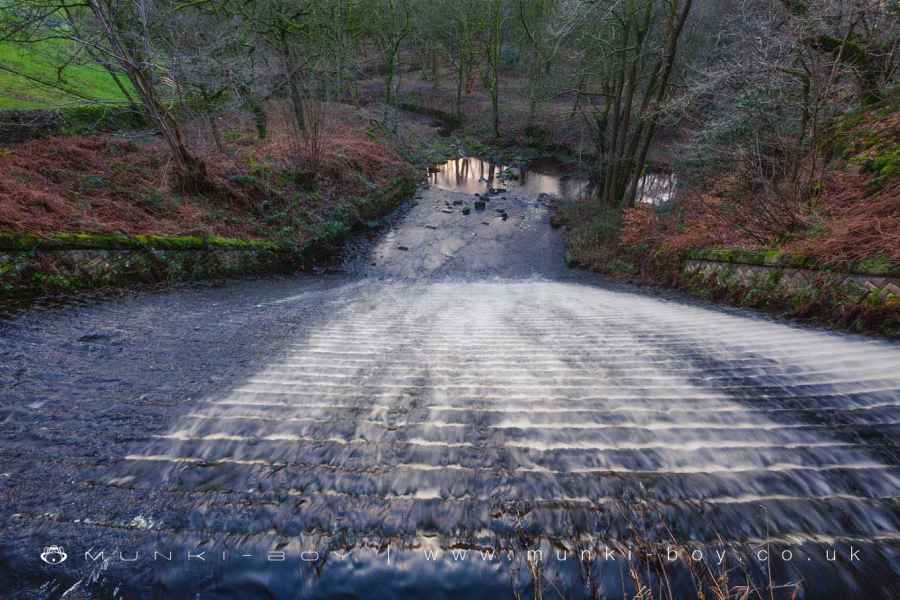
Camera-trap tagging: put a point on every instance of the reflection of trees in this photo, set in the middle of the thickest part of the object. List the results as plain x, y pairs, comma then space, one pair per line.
461, 169
466, 174
657, 189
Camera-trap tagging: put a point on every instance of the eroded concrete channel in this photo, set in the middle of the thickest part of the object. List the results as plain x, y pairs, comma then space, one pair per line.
415, 426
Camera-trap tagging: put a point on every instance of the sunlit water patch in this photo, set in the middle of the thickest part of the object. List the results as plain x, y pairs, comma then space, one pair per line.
465, 415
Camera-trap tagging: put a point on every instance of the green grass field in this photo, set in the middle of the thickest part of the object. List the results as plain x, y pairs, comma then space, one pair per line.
41, 62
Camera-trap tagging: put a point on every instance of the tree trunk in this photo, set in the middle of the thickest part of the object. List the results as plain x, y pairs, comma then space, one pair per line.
435, 69
495, 107
460, 82
216, 134
296, 98
260, 120
189, 174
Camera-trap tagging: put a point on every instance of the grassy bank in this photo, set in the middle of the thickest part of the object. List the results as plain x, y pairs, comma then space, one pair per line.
40, 76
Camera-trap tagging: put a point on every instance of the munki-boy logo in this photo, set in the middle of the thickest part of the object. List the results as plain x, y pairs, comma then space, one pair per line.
54, 555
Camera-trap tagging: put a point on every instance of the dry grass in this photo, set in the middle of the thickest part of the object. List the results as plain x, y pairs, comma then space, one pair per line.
101, 184
854, 216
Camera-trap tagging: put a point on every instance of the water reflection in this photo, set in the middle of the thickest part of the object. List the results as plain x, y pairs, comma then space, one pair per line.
473, 175
657, 188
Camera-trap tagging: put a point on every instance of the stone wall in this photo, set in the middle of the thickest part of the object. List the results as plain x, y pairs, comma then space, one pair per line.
22, 125
32, 264
858, 301
791, 280
57, 267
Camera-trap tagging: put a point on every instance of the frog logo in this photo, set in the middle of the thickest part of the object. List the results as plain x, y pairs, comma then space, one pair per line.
54, 555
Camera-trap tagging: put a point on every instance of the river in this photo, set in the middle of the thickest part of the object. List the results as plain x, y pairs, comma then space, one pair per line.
454, 415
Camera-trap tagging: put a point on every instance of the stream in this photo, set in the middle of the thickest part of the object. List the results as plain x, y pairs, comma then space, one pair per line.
455, 414
471, 175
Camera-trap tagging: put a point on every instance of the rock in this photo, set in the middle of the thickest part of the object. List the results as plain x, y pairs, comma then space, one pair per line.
404, 248
466, 210
457, 203
504, 216
479, 205
485, 223
430, 227
447, 211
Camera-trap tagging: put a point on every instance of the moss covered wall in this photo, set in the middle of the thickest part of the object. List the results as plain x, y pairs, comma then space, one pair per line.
66, 262
34, 264
851, 299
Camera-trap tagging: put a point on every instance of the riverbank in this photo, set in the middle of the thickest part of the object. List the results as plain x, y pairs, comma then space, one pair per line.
838, 265
77, 212
32, 265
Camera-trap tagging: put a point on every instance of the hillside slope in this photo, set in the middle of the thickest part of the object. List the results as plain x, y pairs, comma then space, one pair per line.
37, 76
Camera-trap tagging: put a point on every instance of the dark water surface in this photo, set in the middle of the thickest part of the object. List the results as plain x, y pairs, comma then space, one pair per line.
412, 428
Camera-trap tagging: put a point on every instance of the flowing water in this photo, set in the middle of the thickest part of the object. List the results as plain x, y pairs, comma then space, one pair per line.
456, 416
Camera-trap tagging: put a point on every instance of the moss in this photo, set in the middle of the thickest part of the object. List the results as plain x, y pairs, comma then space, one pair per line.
875, 266
773, 258
85, 240
621, 266
18, 241
30, 268
246, 180
57, 282
820, 298
116, 241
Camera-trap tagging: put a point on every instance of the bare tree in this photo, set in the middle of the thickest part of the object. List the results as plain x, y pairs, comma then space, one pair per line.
123, 34
636, 45
495, 17
458, 26
388, 26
